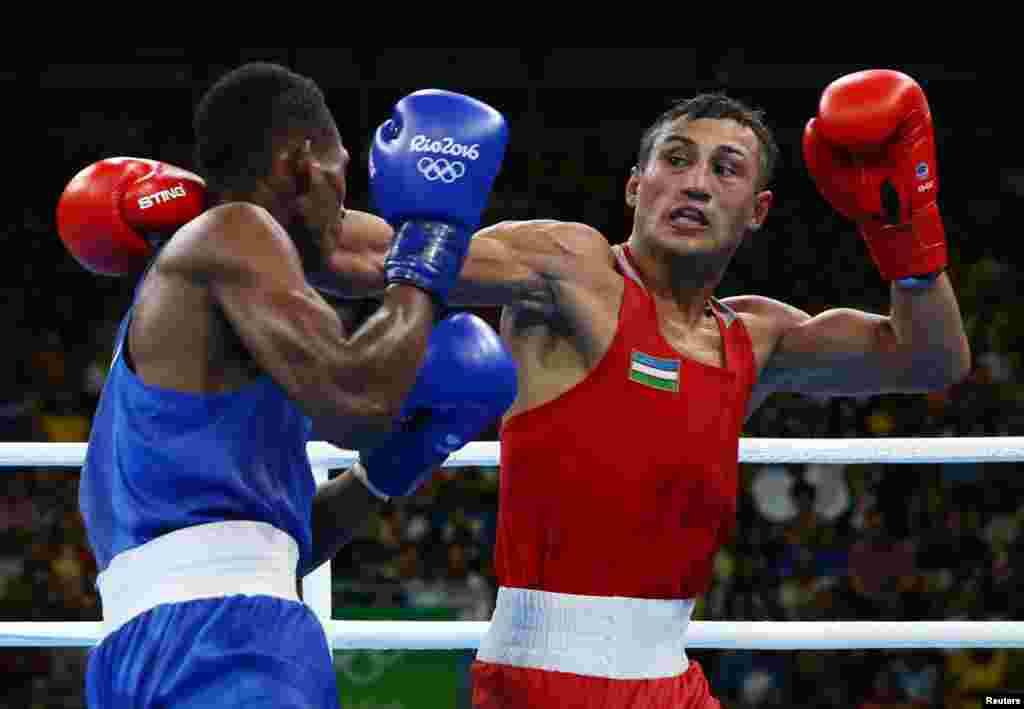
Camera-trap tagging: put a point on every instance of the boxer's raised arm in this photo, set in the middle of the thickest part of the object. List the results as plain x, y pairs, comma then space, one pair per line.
512, 262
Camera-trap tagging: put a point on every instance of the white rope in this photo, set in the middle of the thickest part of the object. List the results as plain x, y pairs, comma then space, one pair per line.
757, 635
978, 449
50, 634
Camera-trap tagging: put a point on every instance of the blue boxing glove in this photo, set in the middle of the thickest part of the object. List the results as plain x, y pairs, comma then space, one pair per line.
467, 380
432, 166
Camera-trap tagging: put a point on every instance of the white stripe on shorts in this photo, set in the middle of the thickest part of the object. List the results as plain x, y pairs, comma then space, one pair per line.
204, 561
596, 636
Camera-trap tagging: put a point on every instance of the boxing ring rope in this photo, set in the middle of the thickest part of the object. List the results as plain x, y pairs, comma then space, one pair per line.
978, 449
745, 635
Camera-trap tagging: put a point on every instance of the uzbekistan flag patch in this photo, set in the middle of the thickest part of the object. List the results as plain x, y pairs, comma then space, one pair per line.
654, 372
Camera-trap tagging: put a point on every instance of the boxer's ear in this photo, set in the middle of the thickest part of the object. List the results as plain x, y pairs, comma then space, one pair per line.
290, 167
303, 162
632, 185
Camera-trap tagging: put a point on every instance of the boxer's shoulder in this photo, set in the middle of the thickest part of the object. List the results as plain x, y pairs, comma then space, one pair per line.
762, 312
230, 240
767, 320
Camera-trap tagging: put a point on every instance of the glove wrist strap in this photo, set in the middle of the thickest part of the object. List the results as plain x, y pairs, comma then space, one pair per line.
919, 282
428, 255
911, 249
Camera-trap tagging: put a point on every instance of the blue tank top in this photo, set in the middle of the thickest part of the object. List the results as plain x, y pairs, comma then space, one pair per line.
160, 460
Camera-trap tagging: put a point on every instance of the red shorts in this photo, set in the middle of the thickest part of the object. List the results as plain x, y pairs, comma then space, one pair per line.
507, 687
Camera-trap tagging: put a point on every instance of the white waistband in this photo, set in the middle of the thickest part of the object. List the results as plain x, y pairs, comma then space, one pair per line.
598, 636
203, 561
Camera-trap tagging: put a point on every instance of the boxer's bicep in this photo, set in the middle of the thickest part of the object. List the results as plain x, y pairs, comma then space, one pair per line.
494, 274
522, 263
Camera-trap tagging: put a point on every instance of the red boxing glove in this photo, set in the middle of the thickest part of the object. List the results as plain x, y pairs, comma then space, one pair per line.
110, 212
871, 152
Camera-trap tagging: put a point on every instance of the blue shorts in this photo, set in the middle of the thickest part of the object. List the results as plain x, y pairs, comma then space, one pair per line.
236, 651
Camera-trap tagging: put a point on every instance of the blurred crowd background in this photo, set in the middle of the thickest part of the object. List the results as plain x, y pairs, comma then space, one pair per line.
887, 542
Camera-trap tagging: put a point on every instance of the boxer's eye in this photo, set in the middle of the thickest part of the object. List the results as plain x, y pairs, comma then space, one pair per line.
726, 169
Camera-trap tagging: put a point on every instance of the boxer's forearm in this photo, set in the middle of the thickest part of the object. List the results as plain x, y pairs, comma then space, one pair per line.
340, 508
927, 322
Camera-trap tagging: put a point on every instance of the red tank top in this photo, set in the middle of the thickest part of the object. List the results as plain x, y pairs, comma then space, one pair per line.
626, 484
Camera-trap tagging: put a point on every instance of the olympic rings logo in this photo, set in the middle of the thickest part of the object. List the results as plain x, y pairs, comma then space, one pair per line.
366, 667
448, 171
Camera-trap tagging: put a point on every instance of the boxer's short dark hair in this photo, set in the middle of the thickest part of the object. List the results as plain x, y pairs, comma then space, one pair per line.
240, 117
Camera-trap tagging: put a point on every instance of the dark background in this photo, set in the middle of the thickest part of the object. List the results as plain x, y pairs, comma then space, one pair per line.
941, 540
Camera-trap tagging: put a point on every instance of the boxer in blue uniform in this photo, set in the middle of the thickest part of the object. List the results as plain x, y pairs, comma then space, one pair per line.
197, 493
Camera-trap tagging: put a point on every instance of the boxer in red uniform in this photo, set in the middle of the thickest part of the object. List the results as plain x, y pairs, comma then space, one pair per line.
619, 459
619, 455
